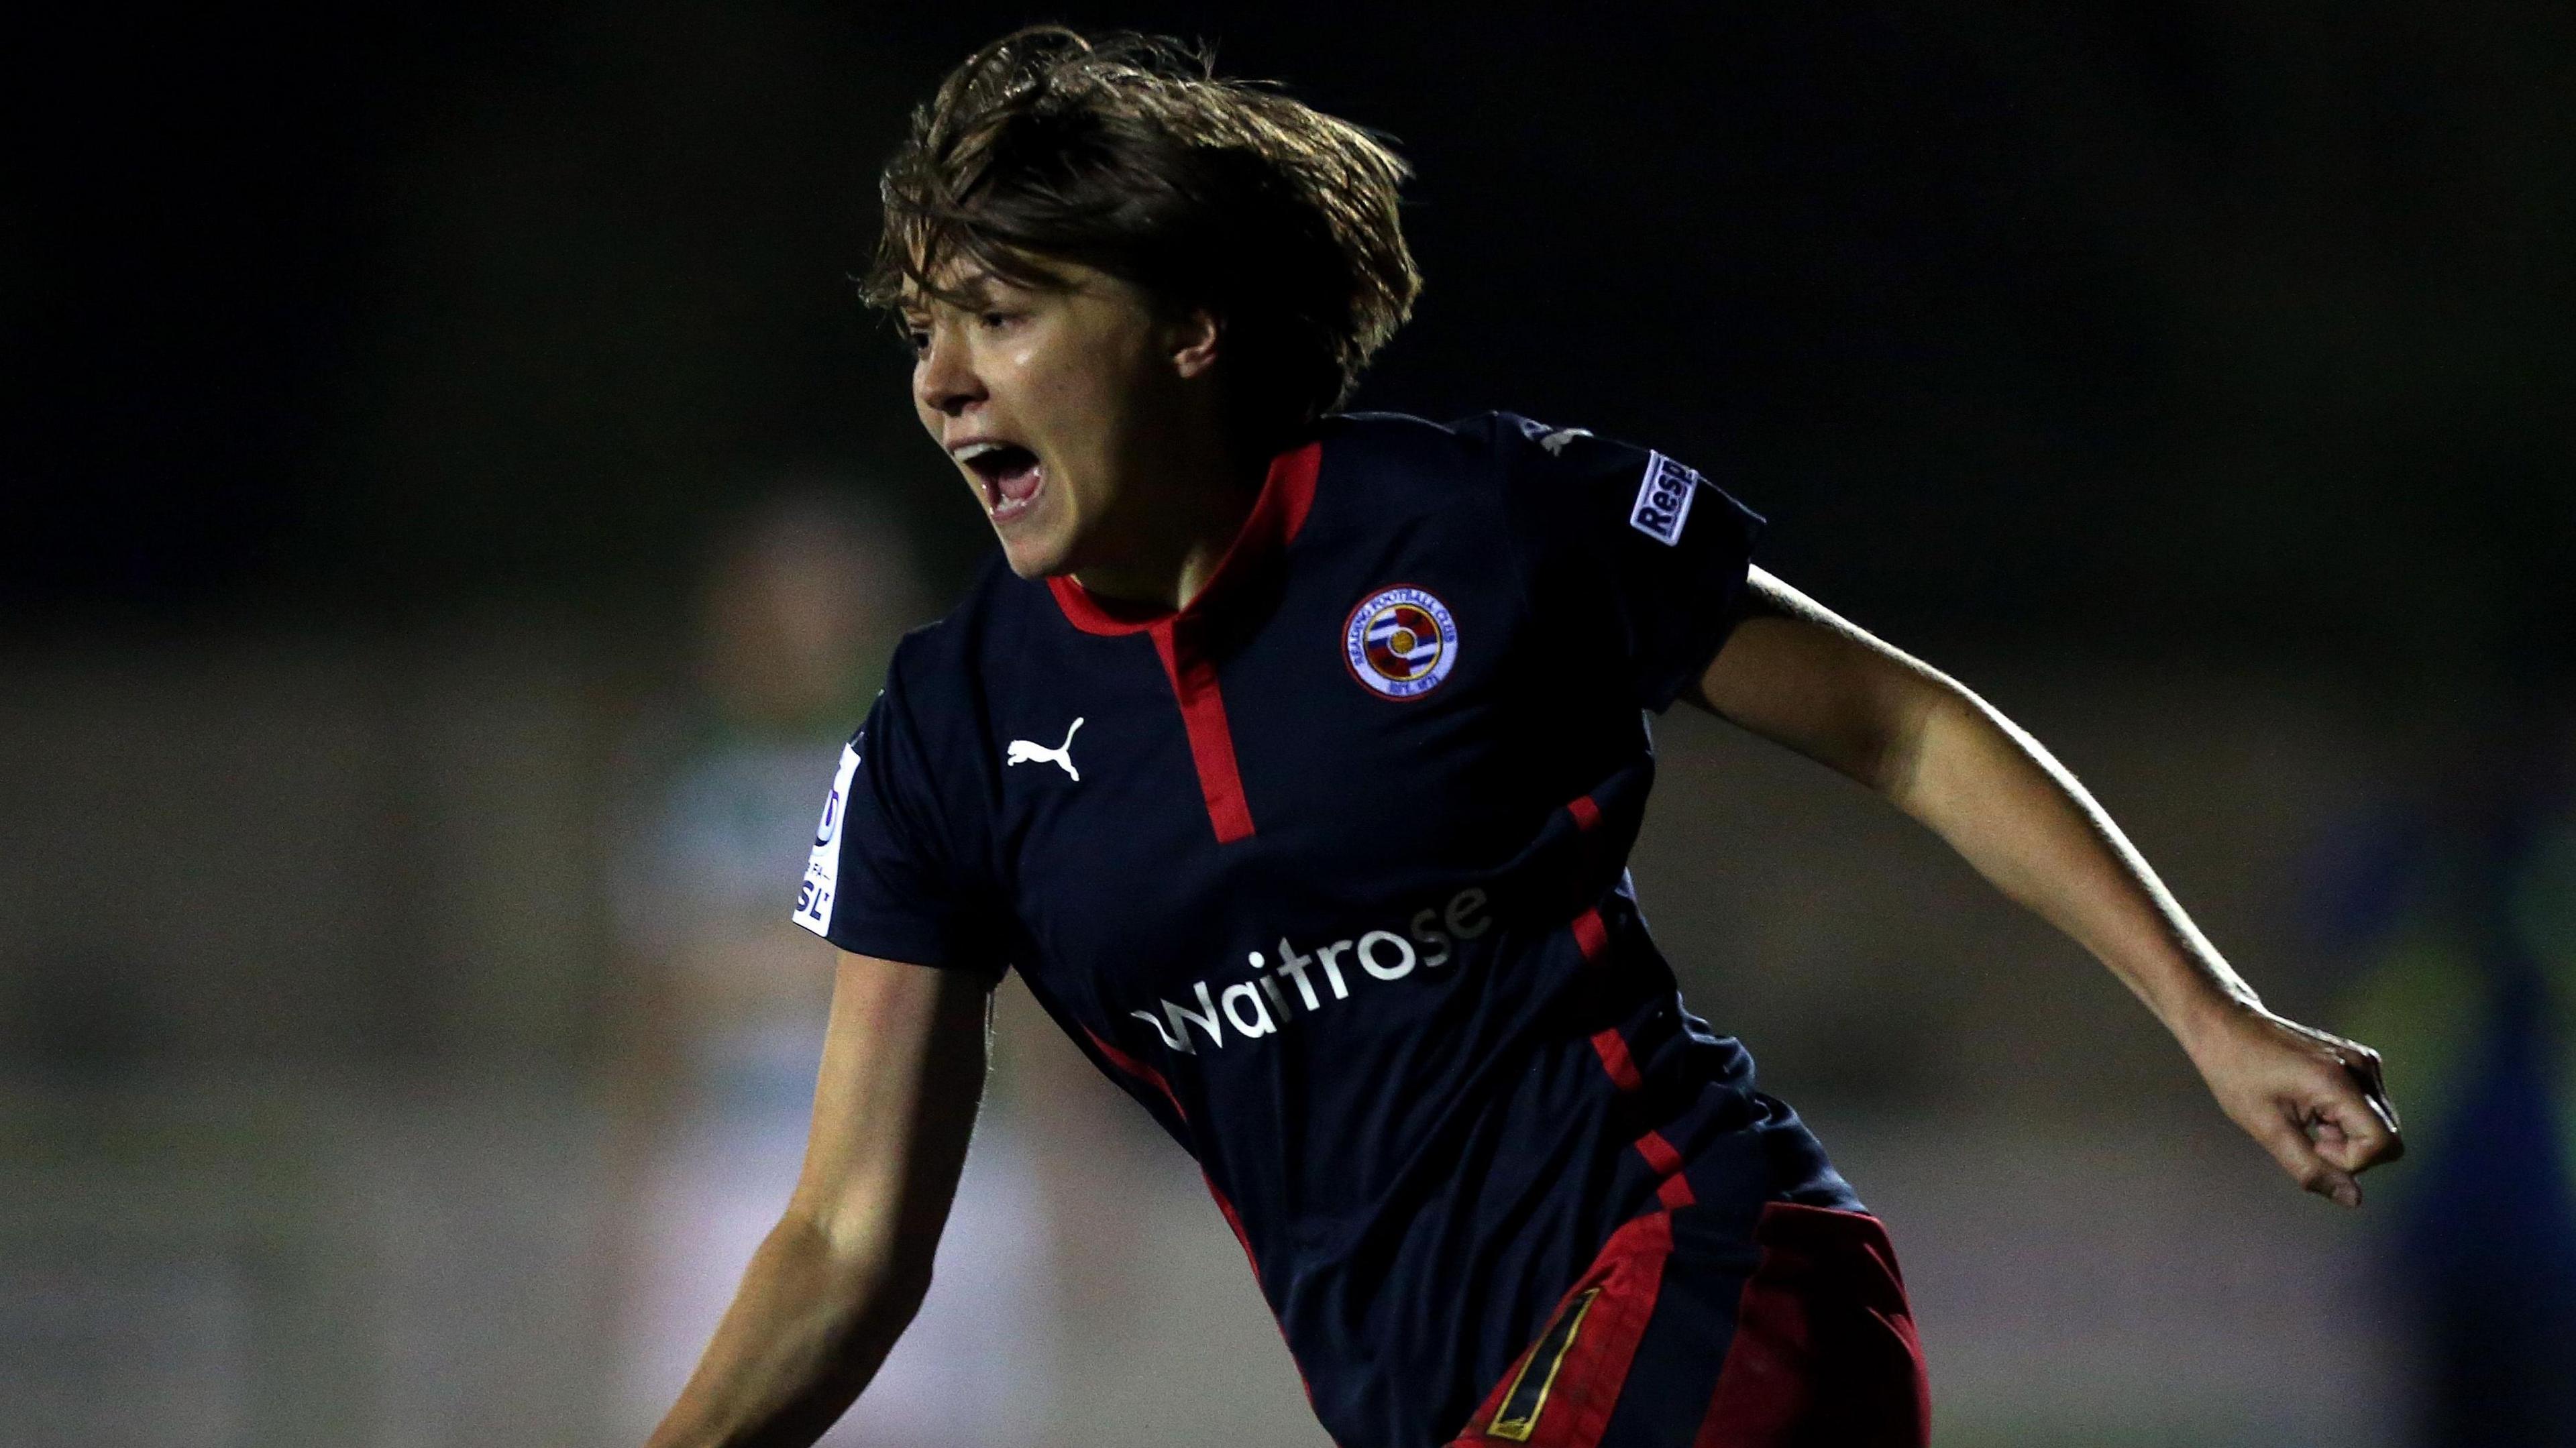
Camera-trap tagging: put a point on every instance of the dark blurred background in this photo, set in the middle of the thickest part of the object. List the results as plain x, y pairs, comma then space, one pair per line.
412, 418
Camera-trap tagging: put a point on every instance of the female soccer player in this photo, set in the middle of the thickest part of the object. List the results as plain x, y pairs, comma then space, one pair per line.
1294, 757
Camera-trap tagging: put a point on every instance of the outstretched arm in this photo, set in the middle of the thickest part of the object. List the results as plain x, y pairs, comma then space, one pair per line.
844, 1270
1796, 673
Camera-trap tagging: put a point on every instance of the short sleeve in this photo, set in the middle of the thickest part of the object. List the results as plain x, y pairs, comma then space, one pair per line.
885, 878
1647, 553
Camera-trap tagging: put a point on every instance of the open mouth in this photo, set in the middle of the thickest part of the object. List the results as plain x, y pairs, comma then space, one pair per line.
1010, 475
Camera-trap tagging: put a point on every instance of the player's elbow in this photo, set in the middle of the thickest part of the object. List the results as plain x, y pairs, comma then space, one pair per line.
874, 1275
887, 1285
1929, 719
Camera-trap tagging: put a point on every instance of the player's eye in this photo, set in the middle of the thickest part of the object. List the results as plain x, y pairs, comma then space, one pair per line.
916, 338
995, 321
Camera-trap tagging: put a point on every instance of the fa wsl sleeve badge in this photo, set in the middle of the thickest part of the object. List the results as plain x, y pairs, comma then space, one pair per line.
823, 868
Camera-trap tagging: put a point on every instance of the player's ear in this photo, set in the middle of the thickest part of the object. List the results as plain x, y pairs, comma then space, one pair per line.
1194, 339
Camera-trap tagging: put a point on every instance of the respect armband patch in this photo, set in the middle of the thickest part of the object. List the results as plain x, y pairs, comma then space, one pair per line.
1663, 499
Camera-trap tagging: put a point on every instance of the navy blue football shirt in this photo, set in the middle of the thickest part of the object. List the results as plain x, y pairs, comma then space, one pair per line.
1328, 871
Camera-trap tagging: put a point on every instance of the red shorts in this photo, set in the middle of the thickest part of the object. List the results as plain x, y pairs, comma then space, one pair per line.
1680, 1337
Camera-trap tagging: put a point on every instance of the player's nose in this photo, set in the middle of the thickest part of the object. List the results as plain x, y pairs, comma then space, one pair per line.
944, 380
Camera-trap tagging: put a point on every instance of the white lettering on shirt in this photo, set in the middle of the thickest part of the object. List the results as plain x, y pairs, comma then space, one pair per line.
1276, 998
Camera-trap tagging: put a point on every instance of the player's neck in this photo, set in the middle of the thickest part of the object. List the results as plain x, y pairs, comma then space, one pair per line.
1179, 533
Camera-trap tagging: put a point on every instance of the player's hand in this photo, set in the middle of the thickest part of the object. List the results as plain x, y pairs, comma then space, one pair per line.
2314, 1101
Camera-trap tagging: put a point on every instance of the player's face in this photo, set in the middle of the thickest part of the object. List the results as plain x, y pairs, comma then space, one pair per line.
1056, 404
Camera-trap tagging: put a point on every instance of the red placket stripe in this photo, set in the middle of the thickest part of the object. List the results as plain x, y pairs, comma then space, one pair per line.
1182, 639
1211, 738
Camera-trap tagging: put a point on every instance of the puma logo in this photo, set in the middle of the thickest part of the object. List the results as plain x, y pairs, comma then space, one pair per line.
1023, 752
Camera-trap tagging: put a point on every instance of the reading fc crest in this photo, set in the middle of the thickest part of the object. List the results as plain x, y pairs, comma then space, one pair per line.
1400, 642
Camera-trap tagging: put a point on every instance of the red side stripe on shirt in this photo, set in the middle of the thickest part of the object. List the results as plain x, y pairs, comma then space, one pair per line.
1245, 1239
1666, 1163
1659, 1153
1139, 1070
1211, 739
1613, 1050
1591, 936
1235, 1222
1587, 815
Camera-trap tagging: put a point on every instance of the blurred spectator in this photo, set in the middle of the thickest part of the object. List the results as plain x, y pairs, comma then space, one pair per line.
726, 1001
2467, 912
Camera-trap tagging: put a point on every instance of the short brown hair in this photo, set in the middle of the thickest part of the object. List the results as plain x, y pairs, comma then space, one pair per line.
1126, 153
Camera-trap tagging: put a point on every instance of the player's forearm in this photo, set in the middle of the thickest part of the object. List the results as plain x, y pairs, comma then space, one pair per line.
808, 1328
2006, 805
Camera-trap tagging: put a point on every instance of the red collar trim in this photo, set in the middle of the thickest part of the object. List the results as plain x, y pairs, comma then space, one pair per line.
1287, 495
